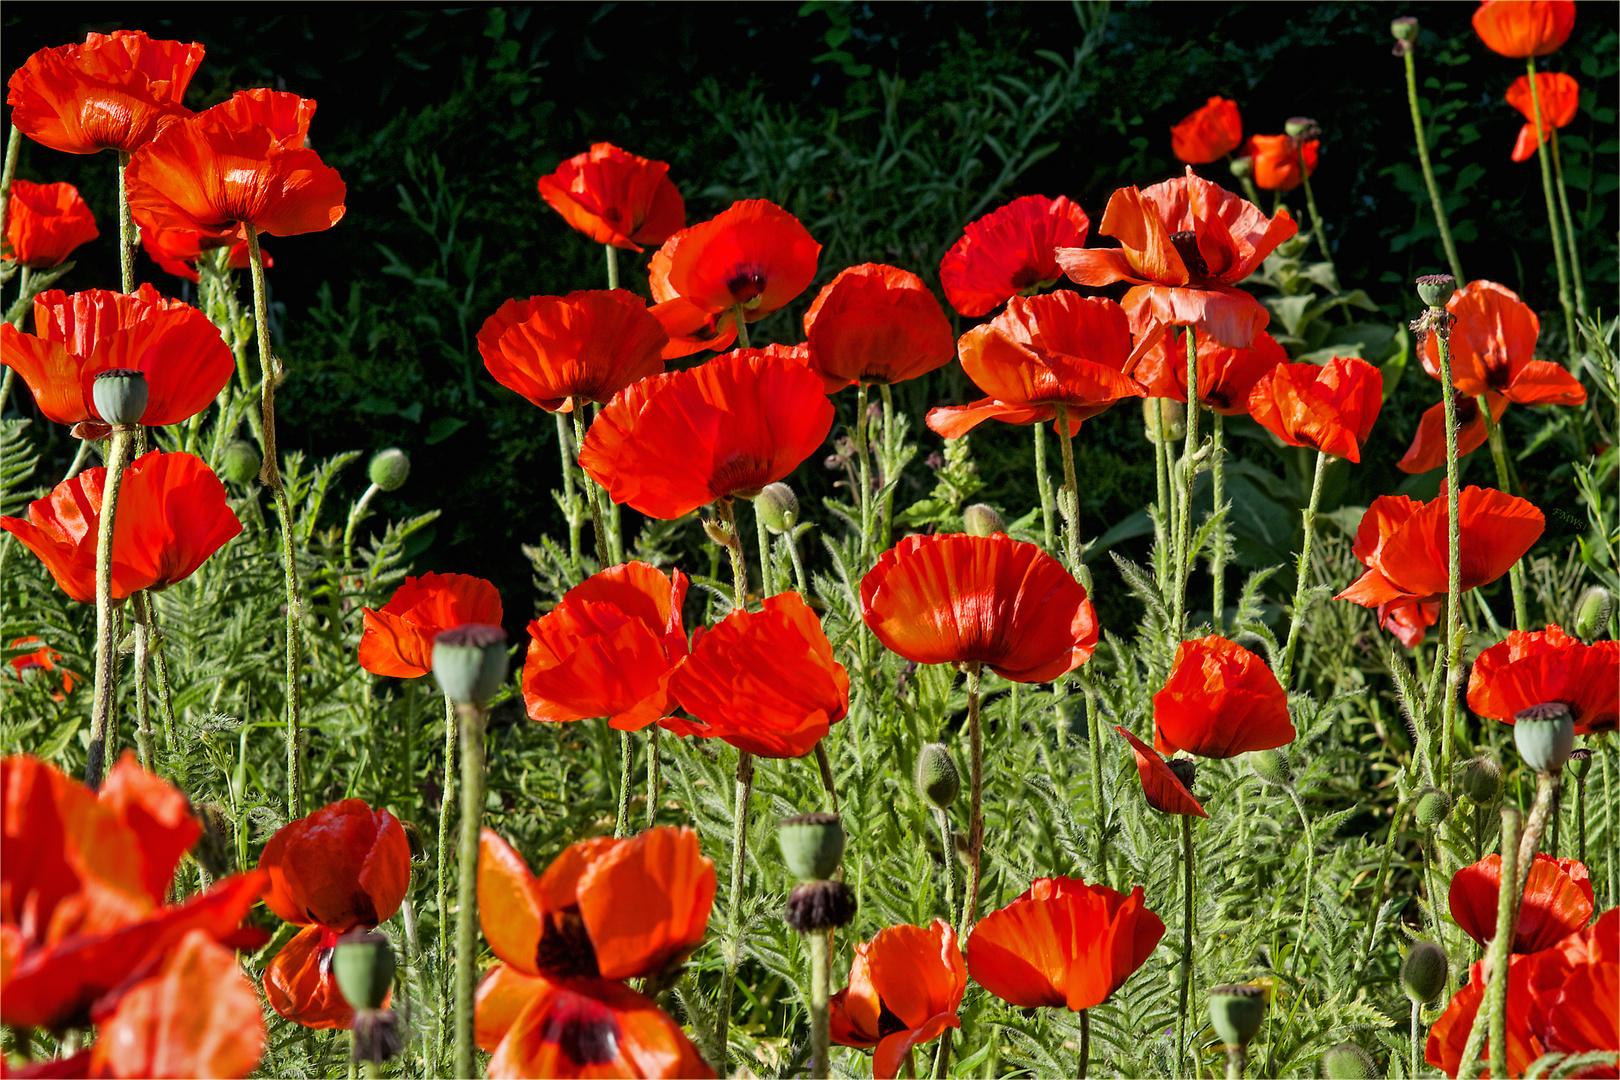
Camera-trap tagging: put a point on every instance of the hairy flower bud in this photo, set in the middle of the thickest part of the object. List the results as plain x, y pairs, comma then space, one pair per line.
937, 777
214, 850
389, 468
1241, 167
982, 520
812, 845
1347, 1061
1172, 419
778, 506
1423, 972
1272, 766
1433, 807
1482, 780
241, 462
1592, 613
1545, 735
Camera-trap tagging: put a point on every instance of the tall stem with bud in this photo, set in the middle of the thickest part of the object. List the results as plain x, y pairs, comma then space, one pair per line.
1406, 32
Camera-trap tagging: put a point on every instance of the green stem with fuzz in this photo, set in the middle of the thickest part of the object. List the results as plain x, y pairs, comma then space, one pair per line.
1417, 1039
140, 611
1185, 988
627, 760
1094, 737
970, 904
1569, 227
652, 775
1043, 483
1085, 1044
942, 819
1378, 885
1302, 587
1184, 557
820, 992
1608, 750
1454, 632
571, 509
1495, 964
1521, 609
767, 565
357, 514
593, 492
126, 229
1438, 206
1580, 819
442, 890
1069, 500
1552, 210
863, 456
731, 942
103, 720
8, 172
798, 563
1310, 867
1162, 527
1217, 555
471, 719
891, 458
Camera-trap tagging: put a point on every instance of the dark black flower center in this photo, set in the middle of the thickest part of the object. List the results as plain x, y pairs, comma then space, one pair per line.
747, 283
565, 949
1186, 243
583, 1029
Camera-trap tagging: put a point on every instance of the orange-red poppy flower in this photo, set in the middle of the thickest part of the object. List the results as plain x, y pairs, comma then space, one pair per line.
111, 93
1559, 96
1010, 252
876, 324
1493, 345
950, 599
1520, 28
691, 329
45, 222
1063, 944
672, 443
43, 658
608, 648
755, 256
905, 986
172, 516
1575, 990
1276, 161
586, 346
398, 640
181, 353
1163, 788
764, 681
615, 197
1330, 407
1184, 244
243, 162
1449, 1035
1403, 544
1539, 666
1408, 621
1428, 449
1221, 700
1207, 134
176, 251
1557, 901
1225, 376
1040, 352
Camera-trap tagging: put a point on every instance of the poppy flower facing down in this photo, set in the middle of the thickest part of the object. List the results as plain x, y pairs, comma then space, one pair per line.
398, 640
1207, 134
1010, 252
45, 223
615, 197
1276, 161
754, 255
1225, 376
1408, 621
1164, 790
43, 658
1493, 345
1541, 666
587, 346
1220, 701
1331, 407
1559, 96
177, 251
905, 987
1521, 28
1557, 901
1428, 449
876, 324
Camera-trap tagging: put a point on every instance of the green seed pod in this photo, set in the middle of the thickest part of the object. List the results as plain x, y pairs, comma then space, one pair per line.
469, 662
1272, 767
1580, 763
1301, 127
389, 468
1592, 613
1481, 780
1545, 735
1241, 167
778, 506
120, 396
982, 520
1347, 1061
1172, 416
364, 967
242, 461
1236, 1012
1435, 289
937, 777
1404, 28
812, 845
1433, 807
1423, 972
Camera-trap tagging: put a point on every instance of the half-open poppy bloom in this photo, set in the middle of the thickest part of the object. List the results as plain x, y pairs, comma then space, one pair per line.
672, 443
343, 866
1063, 944
78, 336
398, 640
1059, 348
608, 648
754, 256
111, 93
1428, 449
1408, 621
1010, 252
1225, 375
1220, 701
953, 599
1521, 28
45, 222
876, 324
586, 346
1184, 244
1209, 133
43, 658
764, 681
615, 197
1163, 788
1448, 1036
1557, 901
905, 986
1559, 96
1276, 160
1493, 345
1330, 407
176, 251
243, 162
691, 329
1575, 990
1533, 667
172, 515
1403, 544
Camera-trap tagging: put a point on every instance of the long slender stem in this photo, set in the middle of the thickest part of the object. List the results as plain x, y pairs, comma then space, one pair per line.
1552, 211
7, 173
1580, 819
1161, 456
863, 456
767, 565
103, 721
1185, 989
1043, 483
1098, 806
576, 520
140, 612
891, 462
798, 563
1435, 202
357, 514
1569, 227
1069, 500
126, 229
1442, 333
1184, 543
970, 904
1607, 752
652, 775
593, 492
1521, 609
1378, 885
1417, 1038
1310, 867
1498, 956
1085, 1044
1217, 555
471, 720
1316, 215
612, 266
947, 841
731, 943
820, 992
627, 759
442, 892
1302, 587
739, 569
160, 668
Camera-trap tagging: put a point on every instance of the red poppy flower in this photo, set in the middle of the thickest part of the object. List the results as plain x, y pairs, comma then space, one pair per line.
608, 649
45, 222
1409, 622
764, 681
1540, 666
1492, 345
1041, 351
1184, 244
1331, 407
398, 640
172, 516
1010, 252
1225, 376
691, 329
1220, 701
184, 359
1520, 28
586, 345
176, 251
1575, 990
876, 323
1063, 943
111, 93
1557, 901
905, 986
1164, 790
1559, 96
1449, 1034
615, 197
44, 658
952, 599
1276, 161
243, 162
672, 443
1403, 544
1428, 449
754, 255
1207, 134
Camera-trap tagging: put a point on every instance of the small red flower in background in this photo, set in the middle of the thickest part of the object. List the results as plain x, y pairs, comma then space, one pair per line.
44, 658
1063, 944
176, 251
615, 197
1557, 901
1559, 96
755, 256
1209, 133
398, 640
1226, 376
1331, 407
1521, 28
1428, 449
45, 222
1276, 160
1409, 622
1163, 788
114, 92
1220, 701
587, 346
905, 987
1540, 666
1010, 252
1493, 345
876, 323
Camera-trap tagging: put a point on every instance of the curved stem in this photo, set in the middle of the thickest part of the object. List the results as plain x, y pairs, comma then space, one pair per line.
357, 514
1302, 587
126, 229
820, 987
1316, 215
1217, 555
472, 815
103, 721
1043, 483
1185, 988
1439, 207
1188, 455
593, 492
1552, 211
970, 905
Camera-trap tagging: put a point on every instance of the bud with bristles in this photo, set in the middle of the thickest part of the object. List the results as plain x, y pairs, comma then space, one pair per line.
937, 777
1172, 417
1423, 972
1241, 167
1482, 780
1592, 613
389, 468
469, 662
241, 462
1435, 289
982, 520
1433, 807
414, 841
812, 845
1236, 1013
1272, 766
1545, 735
1347, 1061
120, 396
778, 506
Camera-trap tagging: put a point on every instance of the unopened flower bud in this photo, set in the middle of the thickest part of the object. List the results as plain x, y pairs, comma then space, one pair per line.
1185, 770
820, 905
717, 531
937, 777
778, 506
1172, 419
1433, 807
1481, 780
413, 840
1347, 1061
1272, 766
469, 662
1241, 167
1423, 972
1545, 735
1404, 28
812, 845
1592, 613
1435, 289
1580, 763
120, 396
241, 462
1302, 128
1236, 1012
389, 468
982, 520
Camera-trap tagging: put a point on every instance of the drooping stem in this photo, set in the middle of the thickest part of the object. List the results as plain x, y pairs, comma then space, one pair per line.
357, 514
1184, 542
1435, 202
593, 492
627, 759
103, 721
1043, 483
731, 943
1302, 587
442, 891
1454, 632
1491, 1015
1217, 555
1316, 215
863, 457
1569, 227
126, 229
652, 775
1185, 988
576, 520
1085, 1044
1552, 211
970, 904
612, 266
1069, 500
471, 719
1521, 610
820, 992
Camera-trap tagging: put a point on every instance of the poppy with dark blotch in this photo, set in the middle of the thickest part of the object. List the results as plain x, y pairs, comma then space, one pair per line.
1184, 244
1162, 786
615, 197
905, 987
1493, 348
177, 251
1557, 901
42, 658
754, 256
691, 329
608, 649
172, 515
1042, 351
1225, 375
77, 336
344, 866
560, 350
1207, 134
398, 639
764, 681
1276, 160
45, 223
1575, 990
951, 599
1403, 544
1010, 252
1533, 667
1063, 944
1448, 1036
1428, 449
1521, 28
876, 324
672, 443
114, 92
1559, 96
1329, 407
1408, 621
1220, 701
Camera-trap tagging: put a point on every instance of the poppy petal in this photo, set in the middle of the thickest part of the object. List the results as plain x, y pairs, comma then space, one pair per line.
674, 888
